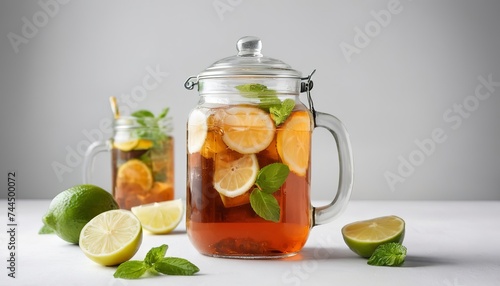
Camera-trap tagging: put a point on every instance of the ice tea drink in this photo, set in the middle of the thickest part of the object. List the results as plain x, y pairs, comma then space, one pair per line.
229, 213
142, 171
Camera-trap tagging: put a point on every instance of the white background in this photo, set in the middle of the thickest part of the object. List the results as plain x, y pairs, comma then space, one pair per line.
402, 82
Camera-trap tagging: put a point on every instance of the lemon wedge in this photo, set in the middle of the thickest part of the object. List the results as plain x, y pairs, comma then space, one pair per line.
160, 217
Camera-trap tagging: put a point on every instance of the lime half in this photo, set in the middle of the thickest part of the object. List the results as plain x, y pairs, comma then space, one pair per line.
363, 237
111, 237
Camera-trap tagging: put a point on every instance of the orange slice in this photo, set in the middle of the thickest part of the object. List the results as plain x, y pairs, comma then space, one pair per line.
135, 172
247, 129
235, 173
294, 142
161, 191
143, 144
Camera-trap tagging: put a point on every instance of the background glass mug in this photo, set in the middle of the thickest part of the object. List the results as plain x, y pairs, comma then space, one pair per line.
248, 165
142, 161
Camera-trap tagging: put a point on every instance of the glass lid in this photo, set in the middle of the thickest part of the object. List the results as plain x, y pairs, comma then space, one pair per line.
249, 62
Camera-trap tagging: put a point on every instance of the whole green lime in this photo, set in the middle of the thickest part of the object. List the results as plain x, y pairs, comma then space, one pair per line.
71, 209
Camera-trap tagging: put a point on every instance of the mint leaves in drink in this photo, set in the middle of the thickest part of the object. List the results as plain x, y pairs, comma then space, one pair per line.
153, 130
279, 110
255, 89
155, 262
269, 180
388, 254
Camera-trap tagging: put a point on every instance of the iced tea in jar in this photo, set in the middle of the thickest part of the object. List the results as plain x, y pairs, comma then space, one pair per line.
142, 159
249, 158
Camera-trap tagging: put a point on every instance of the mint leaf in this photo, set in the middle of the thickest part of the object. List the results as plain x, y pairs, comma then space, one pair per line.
255, 89
265, 205
155, 254
143, 113
176, 266
269, 180
267, 96
162, 114
155, 262
152, 129
279, 113
388, 254
271, 177
131, 269
267, 102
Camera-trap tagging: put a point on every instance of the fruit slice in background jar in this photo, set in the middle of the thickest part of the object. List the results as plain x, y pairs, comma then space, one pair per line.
135, 172
126, 145
234, 173
247, 130
143, 144
293, 142
161, 192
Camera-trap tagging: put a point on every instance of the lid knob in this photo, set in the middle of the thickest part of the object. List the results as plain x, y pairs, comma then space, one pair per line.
249, 46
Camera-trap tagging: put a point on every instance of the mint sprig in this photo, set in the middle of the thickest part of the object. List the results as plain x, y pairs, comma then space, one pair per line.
279, 110
152, 130
388, 254
269, 180
155, 262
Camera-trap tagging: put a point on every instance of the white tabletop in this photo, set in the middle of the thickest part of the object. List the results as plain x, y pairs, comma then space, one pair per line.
449, 244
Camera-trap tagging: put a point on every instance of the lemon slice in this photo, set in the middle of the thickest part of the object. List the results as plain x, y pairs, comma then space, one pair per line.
111, 237
247, 130
135, 172
143, 144
161, 217
363, 237
294, 142
126, 145
235, 173
197, 131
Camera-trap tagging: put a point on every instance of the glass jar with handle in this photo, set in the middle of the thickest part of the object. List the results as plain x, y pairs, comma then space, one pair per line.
249, 158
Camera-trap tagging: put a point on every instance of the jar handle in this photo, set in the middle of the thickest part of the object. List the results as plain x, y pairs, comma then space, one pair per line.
324, 214
88, 161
